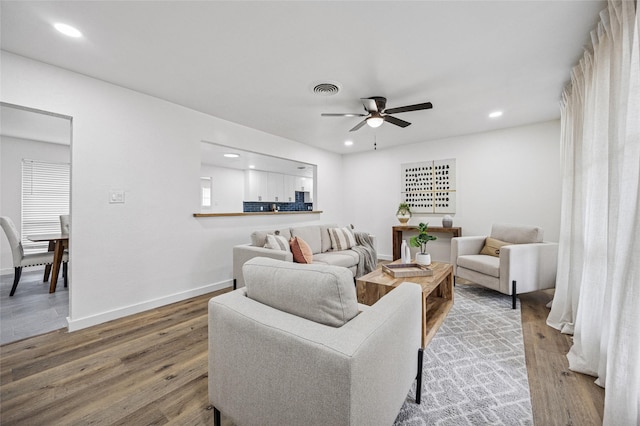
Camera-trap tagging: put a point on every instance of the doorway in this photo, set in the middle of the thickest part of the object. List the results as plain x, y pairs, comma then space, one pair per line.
30, 135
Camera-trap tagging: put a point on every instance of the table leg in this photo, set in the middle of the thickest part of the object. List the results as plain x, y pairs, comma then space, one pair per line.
57, 260
47, 269
396, 237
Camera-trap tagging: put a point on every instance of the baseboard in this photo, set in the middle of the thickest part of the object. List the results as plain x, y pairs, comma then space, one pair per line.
385, 257
80, 323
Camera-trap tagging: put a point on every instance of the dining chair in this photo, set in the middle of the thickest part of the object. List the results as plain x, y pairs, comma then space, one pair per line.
21, 260
64, 224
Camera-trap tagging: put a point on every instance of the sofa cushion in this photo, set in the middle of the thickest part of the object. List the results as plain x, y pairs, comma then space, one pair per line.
301, 251
325, 237
345, 258
277, 242
488, 265
517, 234
259, 238
341, 238
321, 293
311, 235
492, 247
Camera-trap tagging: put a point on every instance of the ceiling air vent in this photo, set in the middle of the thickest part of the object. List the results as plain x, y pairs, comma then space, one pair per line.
326, 89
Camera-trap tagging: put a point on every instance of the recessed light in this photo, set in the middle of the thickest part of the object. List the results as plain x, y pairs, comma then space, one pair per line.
251, 166
67, 30
232, 155
348, 143
495, 114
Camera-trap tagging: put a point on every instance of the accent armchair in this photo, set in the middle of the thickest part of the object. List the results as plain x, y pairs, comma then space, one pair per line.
294, 347
512, 260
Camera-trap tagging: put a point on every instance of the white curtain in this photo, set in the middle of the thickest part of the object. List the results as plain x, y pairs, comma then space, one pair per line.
598, 288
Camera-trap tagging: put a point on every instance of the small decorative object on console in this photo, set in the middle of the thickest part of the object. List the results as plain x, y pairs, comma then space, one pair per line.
447, 221
404, 213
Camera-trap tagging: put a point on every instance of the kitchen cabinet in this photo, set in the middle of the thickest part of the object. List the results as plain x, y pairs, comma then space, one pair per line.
304, 184
255, 185
289, 189
275, 187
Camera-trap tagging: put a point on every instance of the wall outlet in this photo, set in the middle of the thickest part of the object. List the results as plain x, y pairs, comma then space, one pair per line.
116, 197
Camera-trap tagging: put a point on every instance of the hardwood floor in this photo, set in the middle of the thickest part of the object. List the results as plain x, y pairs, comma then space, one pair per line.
151, 368
559, 396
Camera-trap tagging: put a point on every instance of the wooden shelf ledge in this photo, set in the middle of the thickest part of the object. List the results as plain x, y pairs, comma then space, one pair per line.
255, 213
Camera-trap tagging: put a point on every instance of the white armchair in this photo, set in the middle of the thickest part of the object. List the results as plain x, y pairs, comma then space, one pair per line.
294, 347
525, 263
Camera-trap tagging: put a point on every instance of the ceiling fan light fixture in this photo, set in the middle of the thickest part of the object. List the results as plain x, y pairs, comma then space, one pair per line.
375, 121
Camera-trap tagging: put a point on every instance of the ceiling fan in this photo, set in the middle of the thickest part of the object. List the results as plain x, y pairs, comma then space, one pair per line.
377, 114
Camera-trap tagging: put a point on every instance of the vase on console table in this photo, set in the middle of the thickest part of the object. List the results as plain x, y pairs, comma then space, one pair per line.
404, 213
447, 221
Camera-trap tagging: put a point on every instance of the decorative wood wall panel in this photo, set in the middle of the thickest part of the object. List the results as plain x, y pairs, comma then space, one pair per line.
430, 186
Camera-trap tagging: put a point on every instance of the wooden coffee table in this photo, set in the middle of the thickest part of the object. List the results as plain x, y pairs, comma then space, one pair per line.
437, 294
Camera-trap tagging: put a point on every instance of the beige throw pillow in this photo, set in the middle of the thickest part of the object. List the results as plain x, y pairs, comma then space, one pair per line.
492, 247
277, 242
341, 238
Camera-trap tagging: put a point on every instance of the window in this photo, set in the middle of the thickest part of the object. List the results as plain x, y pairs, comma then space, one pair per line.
205, 191
45, 196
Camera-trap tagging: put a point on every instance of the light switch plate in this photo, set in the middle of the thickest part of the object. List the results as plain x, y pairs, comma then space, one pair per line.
116, 197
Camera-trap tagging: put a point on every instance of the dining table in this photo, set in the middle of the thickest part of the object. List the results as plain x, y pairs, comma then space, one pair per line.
58, 242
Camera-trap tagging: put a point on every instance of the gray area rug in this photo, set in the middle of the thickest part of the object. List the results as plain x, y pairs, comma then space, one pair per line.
474, 368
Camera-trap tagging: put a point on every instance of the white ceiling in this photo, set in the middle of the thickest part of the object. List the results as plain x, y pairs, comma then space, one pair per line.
254, 63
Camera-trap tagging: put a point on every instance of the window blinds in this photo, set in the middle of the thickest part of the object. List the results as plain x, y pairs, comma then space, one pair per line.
45, 196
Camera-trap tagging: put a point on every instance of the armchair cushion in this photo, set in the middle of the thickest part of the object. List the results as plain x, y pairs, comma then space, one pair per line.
492, 247
517, 234
320, 293
488, 265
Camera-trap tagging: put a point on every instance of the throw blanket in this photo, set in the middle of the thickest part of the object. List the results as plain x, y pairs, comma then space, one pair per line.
368, 259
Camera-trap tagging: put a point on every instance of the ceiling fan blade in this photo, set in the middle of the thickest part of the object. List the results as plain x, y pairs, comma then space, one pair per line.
396, 121
360, 124
346, 114
416, 107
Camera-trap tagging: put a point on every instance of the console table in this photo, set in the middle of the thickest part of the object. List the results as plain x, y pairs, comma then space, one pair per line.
398, 230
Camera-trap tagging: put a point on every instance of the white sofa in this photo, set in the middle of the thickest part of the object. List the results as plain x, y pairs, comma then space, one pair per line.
293, 347
526, 264
317, 236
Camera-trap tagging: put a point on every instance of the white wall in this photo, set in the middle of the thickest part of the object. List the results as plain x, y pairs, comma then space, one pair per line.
227, 189
149, 251
507, 176
12, 152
